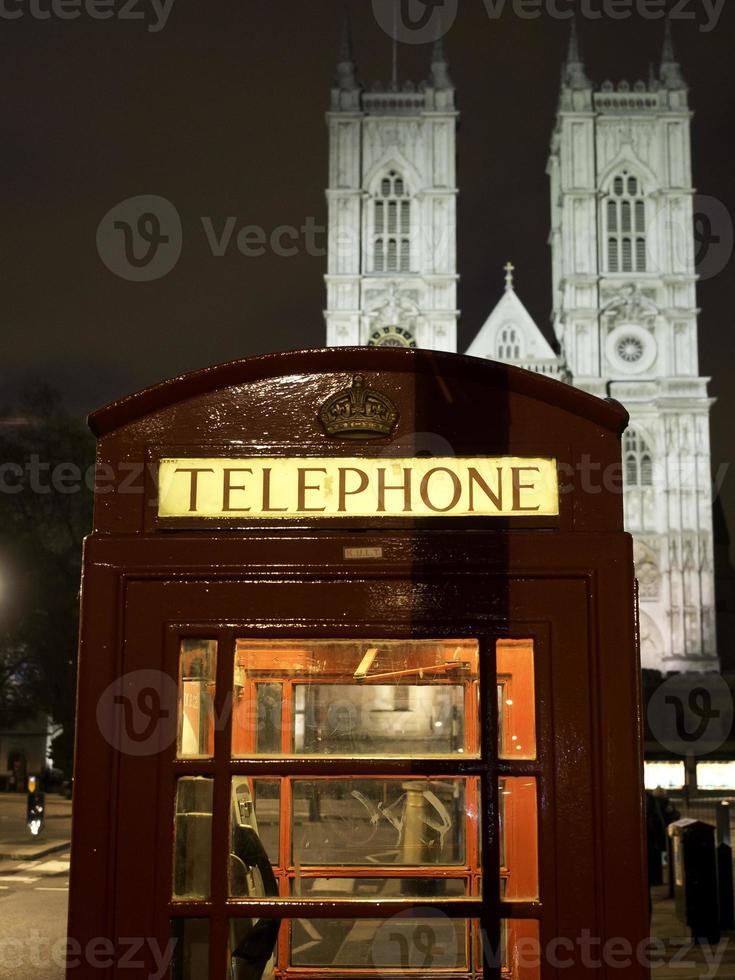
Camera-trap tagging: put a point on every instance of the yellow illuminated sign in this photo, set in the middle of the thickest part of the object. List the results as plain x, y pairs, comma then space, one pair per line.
266, 488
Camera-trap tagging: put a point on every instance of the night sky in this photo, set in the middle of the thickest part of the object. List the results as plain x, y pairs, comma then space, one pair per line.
222, 113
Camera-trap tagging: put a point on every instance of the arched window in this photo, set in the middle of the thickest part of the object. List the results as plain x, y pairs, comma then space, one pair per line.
625, 220
509, 344
392, 226
638, 460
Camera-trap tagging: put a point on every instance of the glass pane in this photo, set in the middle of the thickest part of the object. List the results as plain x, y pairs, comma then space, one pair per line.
342, 698
521, 949
197, 676
434, 886
368, 822
191, 956
518, 839
252, 949
268, 701
403, 942
252, 855
516, 700
193, 838
267, 796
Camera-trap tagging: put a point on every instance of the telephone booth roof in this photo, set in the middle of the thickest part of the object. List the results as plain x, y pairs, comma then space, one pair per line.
433, 365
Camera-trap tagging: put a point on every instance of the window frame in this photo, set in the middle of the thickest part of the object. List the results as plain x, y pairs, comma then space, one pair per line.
391, 218
624, 210
638, 457
487, 911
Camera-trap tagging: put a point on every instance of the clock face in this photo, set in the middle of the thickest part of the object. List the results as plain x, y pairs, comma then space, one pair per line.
392, 337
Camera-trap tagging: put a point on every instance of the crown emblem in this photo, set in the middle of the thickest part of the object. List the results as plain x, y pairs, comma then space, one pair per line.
358, 412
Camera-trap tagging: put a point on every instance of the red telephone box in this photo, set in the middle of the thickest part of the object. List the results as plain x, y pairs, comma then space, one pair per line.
358, 684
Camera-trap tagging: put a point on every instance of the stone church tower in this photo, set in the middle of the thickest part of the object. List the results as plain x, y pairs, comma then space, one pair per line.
624, 291
392, 257
625, 318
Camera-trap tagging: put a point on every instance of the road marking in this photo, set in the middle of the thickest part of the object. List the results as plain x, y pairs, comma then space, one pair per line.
18, 878
52, 867
48, 888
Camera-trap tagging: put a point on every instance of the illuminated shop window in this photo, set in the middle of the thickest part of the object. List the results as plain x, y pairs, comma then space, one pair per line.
666, 775
716, 775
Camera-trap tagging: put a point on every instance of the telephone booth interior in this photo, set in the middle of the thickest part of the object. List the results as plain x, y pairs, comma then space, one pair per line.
382, 745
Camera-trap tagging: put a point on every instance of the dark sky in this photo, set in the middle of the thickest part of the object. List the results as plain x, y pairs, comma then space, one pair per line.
221, 112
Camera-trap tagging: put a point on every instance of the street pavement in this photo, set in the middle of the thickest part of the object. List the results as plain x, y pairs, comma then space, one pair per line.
34, 890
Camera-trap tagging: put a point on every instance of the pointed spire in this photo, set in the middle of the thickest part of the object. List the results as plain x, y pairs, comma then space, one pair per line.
346, 68
573, 55
438, 56
671, 75
345, 55
574, 74
440, 77
668, 56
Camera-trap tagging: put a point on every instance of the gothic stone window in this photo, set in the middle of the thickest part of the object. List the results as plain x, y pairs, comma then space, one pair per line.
625, 225
509, 344
392, 225
638, 461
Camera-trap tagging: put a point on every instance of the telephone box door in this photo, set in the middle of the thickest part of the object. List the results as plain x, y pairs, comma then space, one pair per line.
345, 762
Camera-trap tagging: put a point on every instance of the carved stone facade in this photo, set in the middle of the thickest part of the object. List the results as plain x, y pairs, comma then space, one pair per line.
624, 292
625, 317
392, 262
